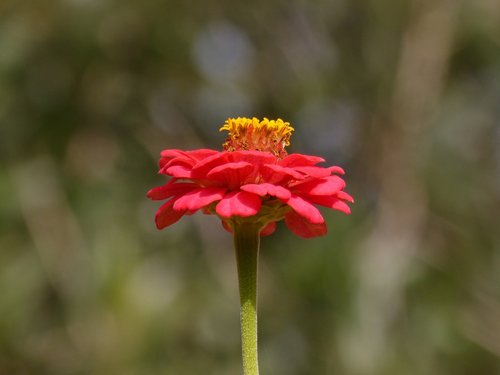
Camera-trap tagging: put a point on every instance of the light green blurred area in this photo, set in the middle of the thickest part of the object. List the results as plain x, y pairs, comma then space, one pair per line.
405, 95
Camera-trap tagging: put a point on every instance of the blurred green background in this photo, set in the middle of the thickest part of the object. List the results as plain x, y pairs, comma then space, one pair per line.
405, 95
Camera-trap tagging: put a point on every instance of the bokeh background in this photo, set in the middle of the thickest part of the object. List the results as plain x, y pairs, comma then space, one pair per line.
404, 94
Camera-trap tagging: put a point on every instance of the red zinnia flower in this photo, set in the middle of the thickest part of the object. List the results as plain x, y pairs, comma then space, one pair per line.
253, 179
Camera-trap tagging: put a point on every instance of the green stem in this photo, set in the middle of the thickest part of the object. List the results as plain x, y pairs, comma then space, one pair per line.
246, 243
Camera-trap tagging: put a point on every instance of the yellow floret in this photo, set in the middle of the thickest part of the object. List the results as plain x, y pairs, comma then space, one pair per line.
260, 135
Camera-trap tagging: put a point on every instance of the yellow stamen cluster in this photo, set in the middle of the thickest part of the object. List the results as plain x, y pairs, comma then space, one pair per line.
253, 134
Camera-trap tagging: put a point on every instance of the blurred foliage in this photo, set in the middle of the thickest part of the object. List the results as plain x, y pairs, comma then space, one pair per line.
403, 94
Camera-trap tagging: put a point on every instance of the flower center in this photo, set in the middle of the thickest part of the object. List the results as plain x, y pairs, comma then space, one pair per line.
252, 134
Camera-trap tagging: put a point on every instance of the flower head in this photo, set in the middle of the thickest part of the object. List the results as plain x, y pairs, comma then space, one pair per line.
252, 180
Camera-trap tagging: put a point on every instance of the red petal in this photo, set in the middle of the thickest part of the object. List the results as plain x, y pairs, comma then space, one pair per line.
323, 186
172, 153
170, 189
268, 229
165, 164
276, 174
238, 203
201, 169
341, 206
337, 170
313, 171
179, 171
303, 228
162, 162
299, 160
331, 202
198, 198
254, 157
166, 215
201, 153
343, 195
267, 189
233, 174
305, 209
180, 157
